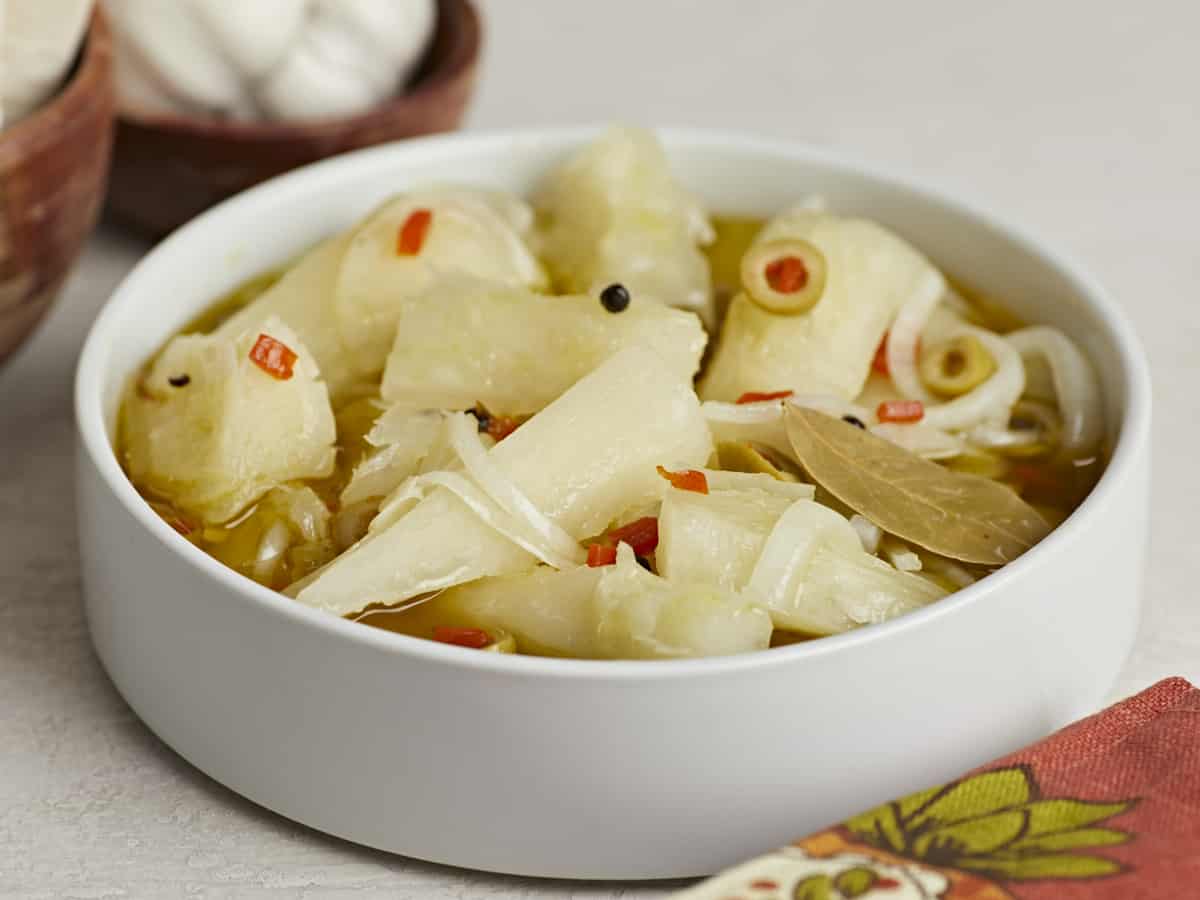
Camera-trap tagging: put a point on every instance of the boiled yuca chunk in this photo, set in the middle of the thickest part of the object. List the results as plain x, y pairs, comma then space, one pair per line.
614, 213
827, 349
212, 430
609, 612
579, 463
344, 296
469, 341
303, 298
802, 560
410, 242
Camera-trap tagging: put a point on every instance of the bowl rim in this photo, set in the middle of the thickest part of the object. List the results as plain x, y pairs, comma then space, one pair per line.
95, 361
90, 74
464, 37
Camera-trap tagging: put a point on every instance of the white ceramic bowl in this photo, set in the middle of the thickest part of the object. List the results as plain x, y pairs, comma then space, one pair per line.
596, 769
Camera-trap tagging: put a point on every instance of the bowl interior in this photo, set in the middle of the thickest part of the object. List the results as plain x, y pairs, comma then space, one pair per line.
261, 227
736, 175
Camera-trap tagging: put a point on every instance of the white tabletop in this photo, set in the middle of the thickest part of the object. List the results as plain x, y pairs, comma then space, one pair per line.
1077, 118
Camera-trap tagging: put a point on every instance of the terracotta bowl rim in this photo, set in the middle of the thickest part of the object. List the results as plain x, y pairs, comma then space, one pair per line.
465, 41
38, 129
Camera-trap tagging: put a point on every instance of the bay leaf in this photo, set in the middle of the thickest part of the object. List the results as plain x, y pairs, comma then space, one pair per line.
965, 517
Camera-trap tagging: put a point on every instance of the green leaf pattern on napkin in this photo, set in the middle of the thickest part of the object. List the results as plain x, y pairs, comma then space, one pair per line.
996, 824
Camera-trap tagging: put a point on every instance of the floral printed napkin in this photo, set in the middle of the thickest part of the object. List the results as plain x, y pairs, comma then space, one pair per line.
1107, 808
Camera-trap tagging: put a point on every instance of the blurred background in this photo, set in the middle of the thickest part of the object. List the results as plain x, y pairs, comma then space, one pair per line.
1077, 119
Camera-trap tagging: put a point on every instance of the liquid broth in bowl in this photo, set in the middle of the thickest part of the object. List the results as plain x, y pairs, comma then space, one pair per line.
608, 426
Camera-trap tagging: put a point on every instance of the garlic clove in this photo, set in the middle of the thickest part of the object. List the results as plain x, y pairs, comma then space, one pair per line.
399, 32
308, 85
167, 38
37, 44
254, 36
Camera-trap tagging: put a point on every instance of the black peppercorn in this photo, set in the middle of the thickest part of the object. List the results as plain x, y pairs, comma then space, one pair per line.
179, 380
855, 421
482, 416
615, 298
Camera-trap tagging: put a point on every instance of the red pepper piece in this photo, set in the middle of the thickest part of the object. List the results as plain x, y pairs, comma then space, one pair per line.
475, 638
757, 397
500, 427
687, 480
412, 233
602, 555
901, 411
274, 357
641, 535
787, 274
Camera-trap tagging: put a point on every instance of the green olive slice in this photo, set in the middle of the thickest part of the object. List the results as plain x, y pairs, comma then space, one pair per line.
785, 277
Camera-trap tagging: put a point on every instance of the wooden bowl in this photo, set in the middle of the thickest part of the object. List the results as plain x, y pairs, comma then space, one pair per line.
53, 170
169, 168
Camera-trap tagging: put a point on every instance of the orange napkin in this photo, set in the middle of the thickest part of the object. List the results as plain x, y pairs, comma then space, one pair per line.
1107, 808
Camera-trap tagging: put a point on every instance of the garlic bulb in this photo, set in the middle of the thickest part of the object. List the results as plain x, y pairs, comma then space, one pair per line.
267, 59
37, 45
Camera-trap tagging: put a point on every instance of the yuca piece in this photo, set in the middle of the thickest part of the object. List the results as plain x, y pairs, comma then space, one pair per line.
412, 242
345, 296
802, 560
468, 341
218, 421
301, 298
868, 274
615, 213
581, 461
619, 611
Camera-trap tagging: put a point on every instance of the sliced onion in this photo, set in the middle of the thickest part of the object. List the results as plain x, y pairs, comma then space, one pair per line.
464, 438
793, 540
1044, 437
398, 425
906, 331
403, 439
514, 528
721, 480
948, 569
765, 412
900, 555
272, 546
1075, 385
956, 302
992, 438
868, 532
992, 400
303, 510
756, 423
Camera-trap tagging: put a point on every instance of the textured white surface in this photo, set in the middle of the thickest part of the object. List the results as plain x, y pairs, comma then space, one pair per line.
1078, 120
